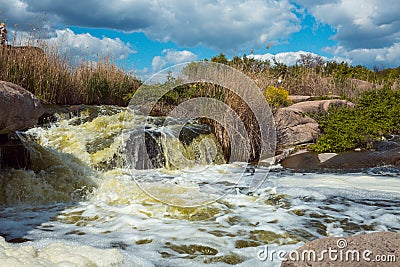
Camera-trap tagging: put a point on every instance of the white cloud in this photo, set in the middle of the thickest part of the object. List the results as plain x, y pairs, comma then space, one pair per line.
158, 63
223, 25
386, 56
87, 46
226, 25
291, 58
171, 56
176, 57
360, 24
367, 31
287, 58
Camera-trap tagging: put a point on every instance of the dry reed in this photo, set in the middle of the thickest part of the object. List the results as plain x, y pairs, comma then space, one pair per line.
56, 78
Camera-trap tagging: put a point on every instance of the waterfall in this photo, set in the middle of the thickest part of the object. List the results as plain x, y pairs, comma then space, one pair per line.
167, 147
69, 157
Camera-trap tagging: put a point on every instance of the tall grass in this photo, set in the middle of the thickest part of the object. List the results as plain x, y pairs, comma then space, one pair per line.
242, 109
56, 78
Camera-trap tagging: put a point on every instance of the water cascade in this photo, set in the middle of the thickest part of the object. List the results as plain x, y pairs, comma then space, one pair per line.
69, 157
97, 195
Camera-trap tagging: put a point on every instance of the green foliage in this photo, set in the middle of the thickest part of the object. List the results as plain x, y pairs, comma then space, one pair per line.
314, 76
221, 58
277, 96
376, 115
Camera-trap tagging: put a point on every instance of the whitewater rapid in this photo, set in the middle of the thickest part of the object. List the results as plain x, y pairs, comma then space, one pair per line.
79, 206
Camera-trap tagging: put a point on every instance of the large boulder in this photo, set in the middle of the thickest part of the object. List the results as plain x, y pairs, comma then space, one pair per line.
294, 127
363, 85
374, 249
20, 109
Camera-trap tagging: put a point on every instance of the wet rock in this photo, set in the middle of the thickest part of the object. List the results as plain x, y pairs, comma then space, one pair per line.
13, 153
304, 161
385, 144
20, 109
350, 160
374, 249
52, 113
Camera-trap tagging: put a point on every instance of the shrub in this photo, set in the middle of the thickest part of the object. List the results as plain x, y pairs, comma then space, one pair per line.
277, 96
376, 115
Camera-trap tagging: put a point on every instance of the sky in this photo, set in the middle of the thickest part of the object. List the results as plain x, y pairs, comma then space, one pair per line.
145, 36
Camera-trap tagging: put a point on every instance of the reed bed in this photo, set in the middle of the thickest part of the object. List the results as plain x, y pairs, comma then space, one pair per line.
58, 78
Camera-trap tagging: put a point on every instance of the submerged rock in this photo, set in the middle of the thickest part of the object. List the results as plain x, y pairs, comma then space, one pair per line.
20, 109
13, 153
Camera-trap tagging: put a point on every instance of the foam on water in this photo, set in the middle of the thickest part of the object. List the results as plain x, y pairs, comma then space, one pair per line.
118, 223
286, 213
57, 254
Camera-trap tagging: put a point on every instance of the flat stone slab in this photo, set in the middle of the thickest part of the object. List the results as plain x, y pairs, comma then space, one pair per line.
301, 98
351, 160
320, 106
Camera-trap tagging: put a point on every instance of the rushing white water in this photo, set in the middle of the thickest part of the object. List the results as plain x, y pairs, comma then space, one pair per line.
83, 208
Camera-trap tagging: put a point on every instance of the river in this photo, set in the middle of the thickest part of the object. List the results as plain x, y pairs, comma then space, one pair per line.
81, 205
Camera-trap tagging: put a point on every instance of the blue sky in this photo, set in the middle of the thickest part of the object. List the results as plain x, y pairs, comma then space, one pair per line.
146, 36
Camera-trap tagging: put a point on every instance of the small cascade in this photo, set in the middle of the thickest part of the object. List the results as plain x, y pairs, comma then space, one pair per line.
52, 177
68, 158
172, 147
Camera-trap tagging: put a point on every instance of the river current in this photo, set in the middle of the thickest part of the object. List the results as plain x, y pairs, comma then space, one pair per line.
79, 205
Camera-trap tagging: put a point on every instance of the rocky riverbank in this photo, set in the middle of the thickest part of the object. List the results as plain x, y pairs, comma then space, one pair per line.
296, 129
294, 126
